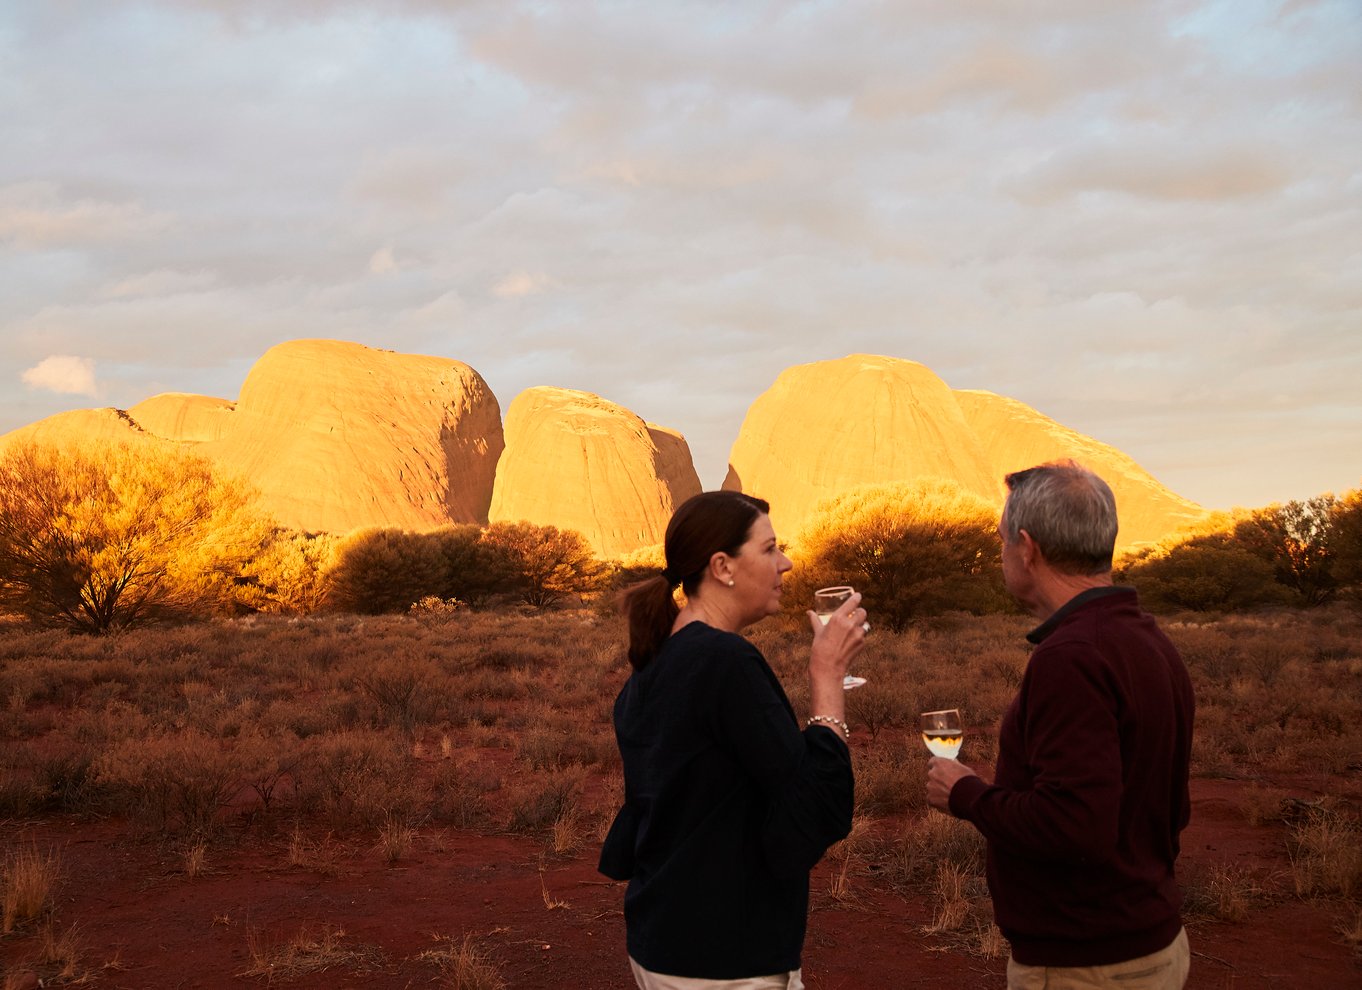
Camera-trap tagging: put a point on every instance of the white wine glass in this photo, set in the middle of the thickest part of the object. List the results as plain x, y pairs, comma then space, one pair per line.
829, 600
943, 733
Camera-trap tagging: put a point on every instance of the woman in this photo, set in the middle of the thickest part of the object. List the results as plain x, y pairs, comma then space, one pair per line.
727, 804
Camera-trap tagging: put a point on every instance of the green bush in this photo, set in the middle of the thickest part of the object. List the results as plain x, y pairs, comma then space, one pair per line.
550, 563
911, 549
1202, 575
384, 570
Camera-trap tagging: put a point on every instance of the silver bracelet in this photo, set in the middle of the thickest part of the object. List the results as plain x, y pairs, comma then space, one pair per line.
829, 720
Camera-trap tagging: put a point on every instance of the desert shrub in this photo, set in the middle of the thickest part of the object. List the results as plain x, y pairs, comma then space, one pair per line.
176, 781
550, 737
356, 777
288, 576
911, 549
1204, 574
384, 570
1346, 543
460, 792
550, 563
267, 762
476, 569
535, 799
435, 607
403, 687
64, 777
1294, 539
94, 538
891, 779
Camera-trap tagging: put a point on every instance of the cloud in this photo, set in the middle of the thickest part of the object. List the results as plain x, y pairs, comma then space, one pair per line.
383, 261
62, 373
522, 284
37, 214
1186, 173
162, 282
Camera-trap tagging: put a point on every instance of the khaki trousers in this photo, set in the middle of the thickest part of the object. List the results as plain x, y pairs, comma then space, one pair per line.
1162, 970
648, 980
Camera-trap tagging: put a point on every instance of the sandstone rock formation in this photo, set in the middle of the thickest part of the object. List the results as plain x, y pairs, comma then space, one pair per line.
339, 436
82, 426
577, 461
830, 426
1015, 436
181, 416
334, 435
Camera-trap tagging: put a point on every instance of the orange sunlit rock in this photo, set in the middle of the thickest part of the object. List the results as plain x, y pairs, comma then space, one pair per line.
577, 461
334, 435
825, 428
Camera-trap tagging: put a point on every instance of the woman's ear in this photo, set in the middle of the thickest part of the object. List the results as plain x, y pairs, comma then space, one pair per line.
721, 568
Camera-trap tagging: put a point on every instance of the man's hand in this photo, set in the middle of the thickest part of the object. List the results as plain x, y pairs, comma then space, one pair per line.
941, 777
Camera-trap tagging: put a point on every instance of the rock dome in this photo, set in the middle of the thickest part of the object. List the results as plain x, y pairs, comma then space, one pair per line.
827, 427
577, 461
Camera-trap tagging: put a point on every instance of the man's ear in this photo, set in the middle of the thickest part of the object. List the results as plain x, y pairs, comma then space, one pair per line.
1030, 551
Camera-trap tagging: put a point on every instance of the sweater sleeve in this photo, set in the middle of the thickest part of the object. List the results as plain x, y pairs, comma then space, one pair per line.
805, 777
1072, 748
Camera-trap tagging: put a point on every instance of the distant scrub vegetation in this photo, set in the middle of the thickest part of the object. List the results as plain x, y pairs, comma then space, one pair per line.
101, 538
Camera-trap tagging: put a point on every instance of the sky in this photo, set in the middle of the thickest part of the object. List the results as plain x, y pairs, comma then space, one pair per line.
1144, 219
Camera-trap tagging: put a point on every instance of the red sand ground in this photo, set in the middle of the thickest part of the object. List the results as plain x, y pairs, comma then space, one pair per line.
142, 923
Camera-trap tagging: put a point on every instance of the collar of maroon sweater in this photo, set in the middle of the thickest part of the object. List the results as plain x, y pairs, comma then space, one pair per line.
1068, 608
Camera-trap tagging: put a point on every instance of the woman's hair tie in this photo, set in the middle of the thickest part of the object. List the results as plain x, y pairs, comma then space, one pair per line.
670, 578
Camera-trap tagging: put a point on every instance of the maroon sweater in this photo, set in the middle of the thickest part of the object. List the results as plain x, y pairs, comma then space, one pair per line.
1091, 789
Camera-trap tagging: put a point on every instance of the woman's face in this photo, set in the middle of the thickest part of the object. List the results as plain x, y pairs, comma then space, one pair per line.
757, 570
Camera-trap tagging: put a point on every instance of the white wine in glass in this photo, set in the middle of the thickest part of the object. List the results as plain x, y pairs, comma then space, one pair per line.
943, 733
829, 600
825, 602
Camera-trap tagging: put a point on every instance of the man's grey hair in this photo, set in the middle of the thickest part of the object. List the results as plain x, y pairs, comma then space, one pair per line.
1069, 512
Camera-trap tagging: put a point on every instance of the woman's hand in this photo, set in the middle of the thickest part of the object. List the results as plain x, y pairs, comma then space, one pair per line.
835, 645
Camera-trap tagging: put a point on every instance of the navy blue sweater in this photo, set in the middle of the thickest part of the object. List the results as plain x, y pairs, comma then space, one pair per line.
728, 805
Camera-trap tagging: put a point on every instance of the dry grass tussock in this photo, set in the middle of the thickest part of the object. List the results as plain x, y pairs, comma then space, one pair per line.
28, 878
464, 965
371, 730
312, 949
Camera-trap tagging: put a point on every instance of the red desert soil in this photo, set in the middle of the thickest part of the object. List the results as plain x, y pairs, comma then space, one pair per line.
141, 922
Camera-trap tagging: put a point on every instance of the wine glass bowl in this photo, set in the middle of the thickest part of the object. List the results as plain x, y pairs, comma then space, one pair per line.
827, 601
943, 732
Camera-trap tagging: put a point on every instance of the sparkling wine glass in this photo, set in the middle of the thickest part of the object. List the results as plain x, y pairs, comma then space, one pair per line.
825, 602
943, 733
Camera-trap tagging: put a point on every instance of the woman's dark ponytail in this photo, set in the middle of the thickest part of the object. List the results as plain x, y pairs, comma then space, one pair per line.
651, 609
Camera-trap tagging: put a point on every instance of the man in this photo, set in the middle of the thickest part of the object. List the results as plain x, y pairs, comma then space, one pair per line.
1091, 794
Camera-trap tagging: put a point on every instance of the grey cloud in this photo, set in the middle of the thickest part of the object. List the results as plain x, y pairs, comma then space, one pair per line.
1169, 173
40, 215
